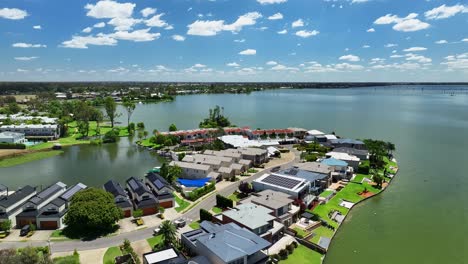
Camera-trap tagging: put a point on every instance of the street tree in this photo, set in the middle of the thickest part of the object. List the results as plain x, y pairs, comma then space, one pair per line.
168, 232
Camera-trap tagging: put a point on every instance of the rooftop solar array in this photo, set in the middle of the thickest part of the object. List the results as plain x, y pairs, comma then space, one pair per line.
281, 181
158, 184
72, 191
133, 184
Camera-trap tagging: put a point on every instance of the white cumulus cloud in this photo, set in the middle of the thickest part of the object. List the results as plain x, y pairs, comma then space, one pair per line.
110, 9
28, 45
82, 42
444, 11
409, 23
282, 32
442, 41
306, 33
178, 37
269, 2
13, 13
38, 27
26, 58
213, 27
350, 57
413, 49
248, 52
297, 23
233, 64
148, 12
276, 16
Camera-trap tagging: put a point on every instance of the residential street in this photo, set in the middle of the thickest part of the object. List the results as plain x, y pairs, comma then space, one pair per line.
114, 240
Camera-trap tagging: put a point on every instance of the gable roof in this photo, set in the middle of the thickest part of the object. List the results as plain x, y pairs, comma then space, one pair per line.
157, 180
230, 242
47, 193
20, 194
137, 186
114, 188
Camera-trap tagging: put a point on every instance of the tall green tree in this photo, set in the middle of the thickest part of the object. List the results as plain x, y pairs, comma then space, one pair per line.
129, 107
111, 109
168, 232
174, 172
172, 127
92, 212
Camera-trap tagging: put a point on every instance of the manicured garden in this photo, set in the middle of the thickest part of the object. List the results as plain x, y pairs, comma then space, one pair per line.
111, 254
321, 231
303, 254
195, 225
325, 194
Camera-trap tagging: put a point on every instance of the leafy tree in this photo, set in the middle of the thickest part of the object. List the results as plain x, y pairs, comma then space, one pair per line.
29, 255
145, 134
215, 119
168, 232
172, 127
111, 109
8, 256
164, 170
378, 179
92, 212
245, 187
140, 135
13, 108
181, 156
131, 128
140, 125
111, 136
174, 172
390, 148
129, 107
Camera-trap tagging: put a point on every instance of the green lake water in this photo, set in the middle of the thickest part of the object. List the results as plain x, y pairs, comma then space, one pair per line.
421, 218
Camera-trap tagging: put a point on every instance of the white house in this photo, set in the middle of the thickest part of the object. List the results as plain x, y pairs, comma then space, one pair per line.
12, 137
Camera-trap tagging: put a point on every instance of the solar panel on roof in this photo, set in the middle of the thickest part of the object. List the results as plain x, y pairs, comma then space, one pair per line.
281, 181
68, 194
133, 184
158, 184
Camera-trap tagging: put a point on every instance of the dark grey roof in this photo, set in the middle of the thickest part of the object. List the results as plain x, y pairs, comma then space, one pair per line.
281, 181
137, 186
150, 202
346, 141
28, 213
47, 193
352, 151
124, 204
52, 214
157, 180
17, 196
3, 188
58, 202
166, 195
114, 188
306, 175
68, 194
230, 242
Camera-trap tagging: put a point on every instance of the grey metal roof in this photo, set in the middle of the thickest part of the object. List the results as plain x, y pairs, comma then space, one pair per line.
20, 194
324, 242
230, 242
47, 193
137, 186
115, 188
157, 180
303, 174
352, 151
68, 194
250, 215
272, 199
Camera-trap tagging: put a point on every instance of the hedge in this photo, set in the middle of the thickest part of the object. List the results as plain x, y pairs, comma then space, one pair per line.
205, 215
364, 167
197, 193
12, 146
223, 202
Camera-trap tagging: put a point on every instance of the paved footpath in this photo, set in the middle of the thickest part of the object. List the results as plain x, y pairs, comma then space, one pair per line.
110, 241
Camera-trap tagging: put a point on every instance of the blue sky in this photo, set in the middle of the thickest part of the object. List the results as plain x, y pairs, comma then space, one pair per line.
233, 40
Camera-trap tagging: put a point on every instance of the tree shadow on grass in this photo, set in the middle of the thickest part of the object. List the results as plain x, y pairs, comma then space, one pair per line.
85, 234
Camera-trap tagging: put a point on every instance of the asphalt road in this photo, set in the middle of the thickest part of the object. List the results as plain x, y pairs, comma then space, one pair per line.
110, 241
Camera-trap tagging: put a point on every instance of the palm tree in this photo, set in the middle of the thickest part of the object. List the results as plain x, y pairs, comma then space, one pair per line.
168, 233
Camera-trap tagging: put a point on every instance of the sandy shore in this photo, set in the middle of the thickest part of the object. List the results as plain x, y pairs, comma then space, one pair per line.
12, 152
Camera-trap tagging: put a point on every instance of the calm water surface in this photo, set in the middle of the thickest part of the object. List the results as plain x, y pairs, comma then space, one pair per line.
421, 218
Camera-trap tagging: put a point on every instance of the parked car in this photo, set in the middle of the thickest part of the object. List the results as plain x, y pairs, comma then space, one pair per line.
275, 169
156, 231
25, 230
179, 223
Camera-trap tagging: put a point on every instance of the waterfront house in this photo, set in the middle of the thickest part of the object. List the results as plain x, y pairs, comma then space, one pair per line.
51, 216
12, 138
352, 161
32, 208
238, 168
3, 191
315, 135
225, 244
298, 132
142, 198
347, 143
161, 189
11, 204
46, 131
121, 198
209, 160
297, 188
256, 218
363, 154
280, 203
199, 158
230, 153
192, 171
318, 180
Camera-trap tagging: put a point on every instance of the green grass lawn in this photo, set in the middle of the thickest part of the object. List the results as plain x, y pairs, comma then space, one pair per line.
195, 225
321, 232
57, 233
72, 259
325, 194
9, 162
181, 202
303, 255
216, 210
110, 255
234, 197
153, 241
348, 193
300, 232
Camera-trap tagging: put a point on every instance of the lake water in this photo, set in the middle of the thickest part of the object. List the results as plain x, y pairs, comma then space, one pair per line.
421, 218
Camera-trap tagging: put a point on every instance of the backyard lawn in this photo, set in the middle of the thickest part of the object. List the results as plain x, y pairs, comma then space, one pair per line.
153, 241
325, 194
321, 232
303, 255
300, 232
216, 210
181, 202
111, 253
234, 197
348, 193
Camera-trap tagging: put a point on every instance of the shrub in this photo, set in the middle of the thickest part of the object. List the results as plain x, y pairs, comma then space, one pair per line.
294, 243
223, 202
205, 215
197, 193
364, 167
137, 213
111, 136
283, 254
290, 248
276, 256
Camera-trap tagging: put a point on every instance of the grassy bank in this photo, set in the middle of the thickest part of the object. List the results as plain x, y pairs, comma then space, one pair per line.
28, 157
303, 255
